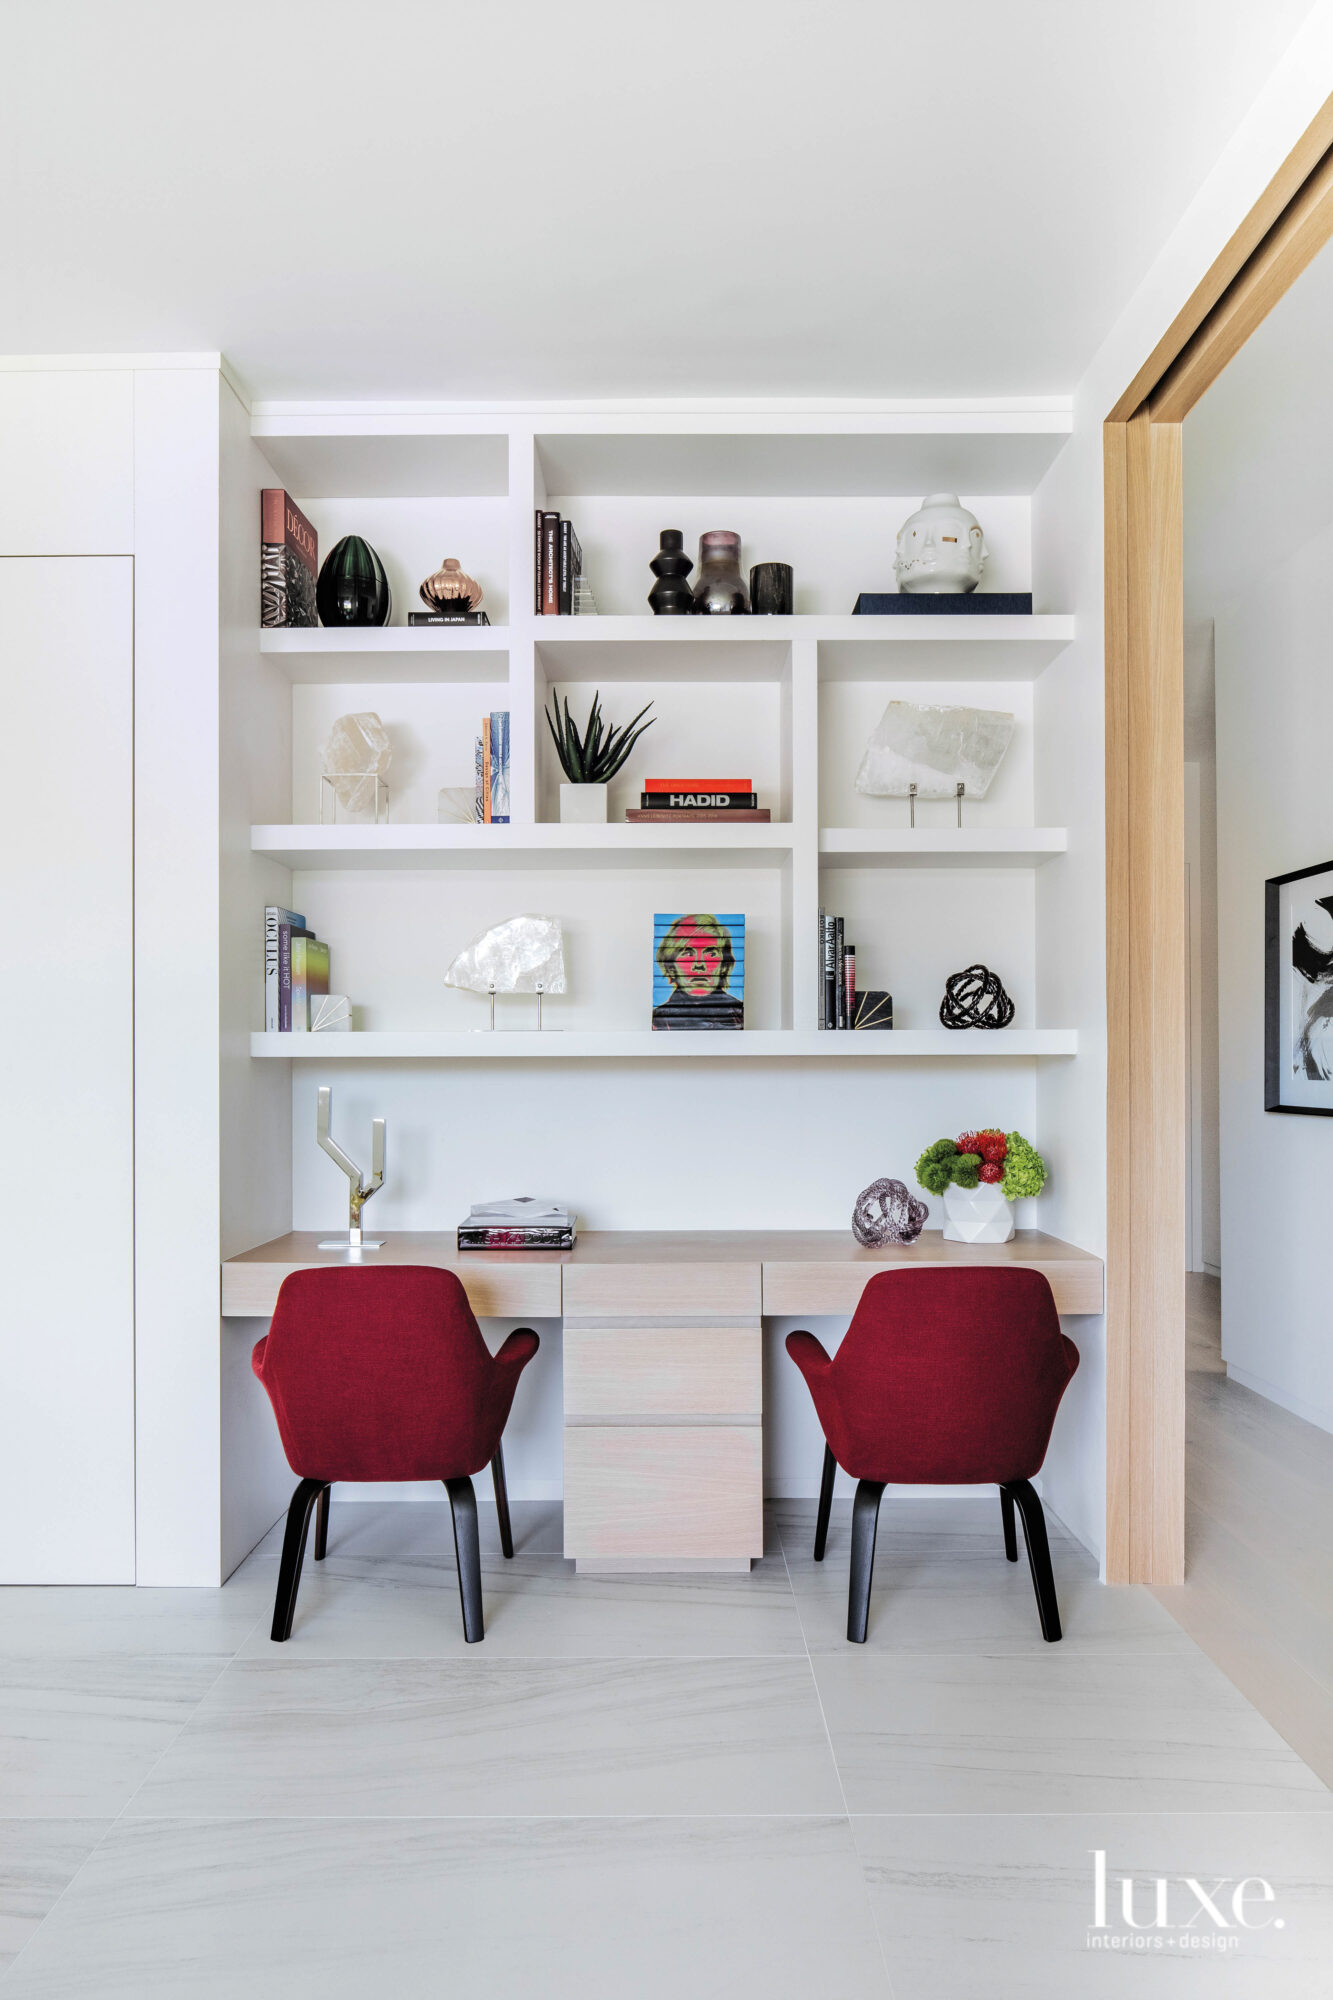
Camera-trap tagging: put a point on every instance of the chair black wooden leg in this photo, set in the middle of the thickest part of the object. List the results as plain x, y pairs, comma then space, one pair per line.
1039, 1556
502, 1501
1010, 1530
825, 1503
467, 1545
865, 1520
322, 1525
293, 1555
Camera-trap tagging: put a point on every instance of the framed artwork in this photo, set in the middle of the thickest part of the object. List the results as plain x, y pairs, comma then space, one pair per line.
1298, 991
698, 972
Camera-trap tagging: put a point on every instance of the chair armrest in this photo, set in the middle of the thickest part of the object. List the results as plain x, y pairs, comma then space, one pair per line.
1072, 1355
257, 1356
809, 1354
518, 1350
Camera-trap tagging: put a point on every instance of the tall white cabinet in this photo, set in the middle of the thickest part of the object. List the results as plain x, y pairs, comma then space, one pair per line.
67, 1101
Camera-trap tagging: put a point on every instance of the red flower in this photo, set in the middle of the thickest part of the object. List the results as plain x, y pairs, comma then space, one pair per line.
992, 1172
969, 1142
994, 1150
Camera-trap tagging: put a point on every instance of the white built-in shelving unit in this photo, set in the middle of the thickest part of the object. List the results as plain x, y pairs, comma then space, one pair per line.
789, 700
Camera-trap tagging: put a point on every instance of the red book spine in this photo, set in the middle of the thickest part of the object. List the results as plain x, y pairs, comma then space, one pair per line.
698, 784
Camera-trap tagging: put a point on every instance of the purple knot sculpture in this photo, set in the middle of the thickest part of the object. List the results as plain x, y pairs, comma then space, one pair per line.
886, 1213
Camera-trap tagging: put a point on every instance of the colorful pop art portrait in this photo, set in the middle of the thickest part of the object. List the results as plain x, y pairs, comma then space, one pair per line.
698, 971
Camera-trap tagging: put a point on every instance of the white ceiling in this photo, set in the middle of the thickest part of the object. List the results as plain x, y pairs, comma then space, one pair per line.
565, 198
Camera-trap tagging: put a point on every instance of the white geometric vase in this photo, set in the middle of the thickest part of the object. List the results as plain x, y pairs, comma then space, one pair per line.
977, 1215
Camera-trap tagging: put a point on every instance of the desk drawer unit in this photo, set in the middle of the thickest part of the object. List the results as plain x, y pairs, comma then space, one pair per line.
663, 1434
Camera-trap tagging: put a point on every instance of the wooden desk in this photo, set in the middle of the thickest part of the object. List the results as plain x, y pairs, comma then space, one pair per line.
663, 1442
800, 1271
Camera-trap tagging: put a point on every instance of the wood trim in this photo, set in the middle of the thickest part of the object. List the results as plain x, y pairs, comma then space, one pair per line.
1147, 1045
1298, 236
1282, 191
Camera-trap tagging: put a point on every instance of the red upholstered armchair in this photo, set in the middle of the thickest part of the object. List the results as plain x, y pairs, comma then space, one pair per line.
382, 1373
944, 1378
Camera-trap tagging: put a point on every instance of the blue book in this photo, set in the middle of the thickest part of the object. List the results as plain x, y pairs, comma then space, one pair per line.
498, 725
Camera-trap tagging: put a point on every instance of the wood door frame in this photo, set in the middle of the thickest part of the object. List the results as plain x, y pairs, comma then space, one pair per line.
1146, 940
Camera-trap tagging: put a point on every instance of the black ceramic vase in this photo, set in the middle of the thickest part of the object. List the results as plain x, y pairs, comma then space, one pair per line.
671, 596
720, 591
352, 587
771, 589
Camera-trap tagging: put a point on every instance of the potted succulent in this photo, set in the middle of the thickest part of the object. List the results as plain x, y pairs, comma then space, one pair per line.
979, 1174
590, 761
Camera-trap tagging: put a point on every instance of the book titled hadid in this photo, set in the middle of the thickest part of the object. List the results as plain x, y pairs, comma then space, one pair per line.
698, 972
288, 562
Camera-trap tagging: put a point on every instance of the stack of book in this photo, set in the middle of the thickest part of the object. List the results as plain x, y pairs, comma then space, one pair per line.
667, 800
837, 975
492, 765
296, 970
526, 1223
560, 588
841, 1003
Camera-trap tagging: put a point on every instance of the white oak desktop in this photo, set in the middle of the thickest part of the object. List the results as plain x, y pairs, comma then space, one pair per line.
662, 1358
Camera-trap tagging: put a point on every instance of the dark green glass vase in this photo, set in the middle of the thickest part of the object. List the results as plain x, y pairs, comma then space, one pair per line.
352, 587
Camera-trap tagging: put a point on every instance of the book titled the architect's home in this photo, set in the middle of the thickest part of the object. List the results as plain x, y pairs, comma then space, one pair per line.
288, 562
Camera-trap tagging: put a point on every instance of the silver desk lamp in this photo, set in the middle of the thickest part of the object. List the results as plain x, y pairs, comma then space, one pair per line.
359, 1191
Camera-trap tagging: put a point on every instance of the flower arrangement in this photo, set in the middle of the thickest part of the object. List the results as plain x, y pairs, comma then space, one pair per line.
984, 1158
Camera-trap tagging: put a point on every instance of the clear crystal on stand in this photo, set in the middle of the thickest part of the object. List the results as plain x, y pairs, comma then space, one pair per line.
524, 955
935, 749
356, 753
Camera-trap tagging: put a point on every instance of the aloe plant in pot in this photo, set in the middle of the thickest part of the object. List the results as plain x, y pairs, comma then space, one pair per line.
590, 761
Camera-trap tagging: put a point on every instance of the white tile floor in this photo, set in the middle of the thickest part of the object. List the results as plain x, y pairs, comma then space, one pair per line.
639, 1787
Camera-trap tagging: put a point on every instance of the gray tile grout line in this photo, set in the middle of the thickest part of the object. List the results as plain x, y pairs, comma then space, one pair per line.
837, 1768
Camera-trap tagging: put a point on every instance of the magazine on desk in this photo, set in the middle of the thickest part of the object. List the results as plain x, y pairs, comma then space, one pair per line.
523, 1222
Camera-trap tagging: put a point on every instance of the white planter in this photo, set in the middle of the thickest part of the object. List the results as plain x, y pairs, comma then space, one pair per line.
977, 1215
583, 805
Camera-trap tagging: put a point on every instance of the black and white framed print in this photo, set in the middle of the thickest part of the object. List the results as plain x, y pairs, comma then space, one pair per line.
1298, 991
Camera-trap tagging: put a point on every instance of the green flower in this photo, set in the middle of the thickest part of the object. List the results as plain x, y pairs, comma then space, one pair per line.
967, 1170
1024, 1168
935, 1168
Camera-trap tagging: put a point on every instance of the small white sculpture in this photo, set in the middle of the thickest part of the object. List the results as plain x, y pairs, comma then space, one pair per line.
940, 548
928, 752
355, 756
524, 955
456, 805
330, 1013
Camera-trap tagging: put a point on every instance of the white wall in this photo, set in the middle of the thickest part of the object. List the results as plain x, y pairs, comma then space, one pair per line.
1274, 726
66, 1106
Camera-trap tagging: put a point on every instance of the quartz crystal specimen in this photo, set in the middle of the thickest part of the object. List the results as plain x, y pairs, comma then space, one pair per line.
524, 955
357, 751
935, 749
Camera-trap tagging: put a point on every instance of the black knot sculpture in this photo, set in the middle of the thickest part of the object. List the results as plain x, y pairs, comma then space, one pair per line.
975, 999
886, 1213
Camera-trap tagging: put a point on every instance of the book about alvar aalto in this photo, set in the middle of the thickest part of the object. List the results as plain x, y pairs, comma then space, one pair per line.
288, 562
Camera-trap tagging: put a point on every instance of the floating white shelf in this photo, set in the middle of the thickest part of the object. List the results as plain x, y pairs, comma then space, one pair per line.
959, 647
435, 1045
940, 847
544, 846
334, 656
